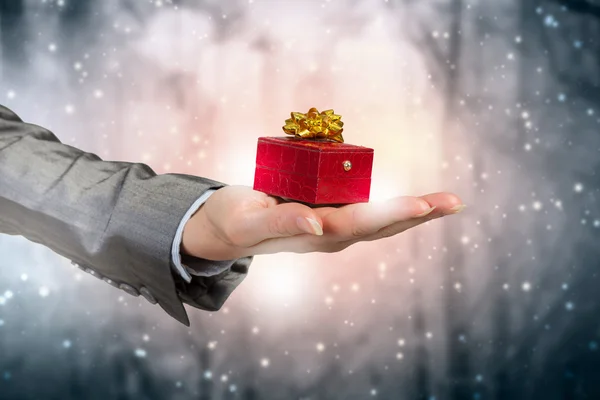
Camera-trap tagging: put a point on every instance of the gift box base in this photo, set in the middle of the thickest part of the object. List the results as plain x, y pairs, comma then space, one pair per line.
312, 190
315, 172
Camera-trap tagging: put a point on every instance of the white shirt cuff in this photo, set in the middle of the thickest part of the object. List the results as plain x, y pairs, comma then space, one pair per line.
176, 247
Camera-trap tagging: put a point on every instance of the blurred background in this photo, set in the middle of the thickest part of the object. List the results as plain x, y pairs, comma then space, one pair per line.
497, 101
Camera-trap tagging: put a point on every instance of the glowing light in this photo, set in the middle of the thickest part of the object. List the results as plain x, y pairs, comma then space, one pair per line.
284, 280
141, 353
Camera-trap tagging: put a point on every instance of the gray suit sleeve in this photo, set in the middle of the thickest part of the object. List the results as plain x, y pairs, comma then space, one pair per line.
116, 220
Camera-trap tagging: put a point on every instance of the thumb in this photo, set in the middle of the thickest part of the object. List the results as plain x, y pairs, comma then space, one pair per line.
287, 219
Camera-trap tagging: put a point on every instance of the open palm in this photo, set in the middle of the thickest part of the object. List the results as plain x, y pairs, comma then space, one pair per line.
238, 221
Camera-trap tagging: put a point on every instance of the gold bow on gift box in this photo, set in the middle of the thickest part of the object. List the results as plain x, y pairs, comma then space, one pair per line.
315, 125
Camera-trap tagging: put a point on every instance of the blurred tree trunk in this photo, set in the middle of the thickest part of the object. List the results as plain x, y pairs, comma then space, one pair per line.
459, 369
13, 39
267, 47
526, 44
206, 384
501, 337
444, 60
422, 377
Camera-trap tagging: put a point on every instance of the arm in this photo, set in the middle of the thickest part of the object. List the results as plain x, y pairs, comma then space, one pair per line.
115, 219
120, 220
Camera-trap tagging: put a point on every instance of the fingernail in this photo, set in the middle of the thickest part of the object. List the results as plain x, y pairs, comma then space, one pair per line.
426, 212
458, 208
310, 225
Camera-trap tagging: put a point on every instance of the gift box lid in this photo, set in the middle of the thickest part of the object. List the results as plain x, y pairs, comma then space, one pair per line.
319, 158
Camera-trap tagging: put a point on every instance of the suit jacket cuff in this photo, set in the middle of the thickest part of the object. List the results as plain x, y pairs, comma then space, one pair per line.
210, 292
175, 248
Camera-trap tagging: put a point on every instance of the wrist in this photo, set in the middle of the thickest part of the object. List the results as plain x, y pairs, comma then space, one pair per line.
194, 231
200, 240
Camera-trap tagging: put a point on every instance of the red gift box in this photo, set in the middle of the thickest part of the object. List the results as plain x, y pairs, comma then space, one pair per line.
313, 171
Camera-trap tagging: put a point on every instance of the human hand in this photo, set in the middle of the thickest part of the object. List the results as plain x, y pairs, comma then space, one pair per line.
237, 221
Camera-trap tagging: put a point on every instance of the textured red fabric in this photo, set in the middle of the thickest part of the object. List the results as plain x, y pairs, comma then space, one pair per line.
313, 171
